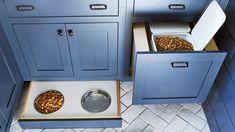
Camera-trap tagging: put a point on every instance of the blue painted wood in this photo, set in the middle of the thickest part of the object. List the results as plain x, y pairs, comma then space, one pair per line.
220, 112
53, 124
169, 7
11, 82
46, 52
7, 86
158, 81
34, 8
213, 125
93, 48
3, 123
226, 43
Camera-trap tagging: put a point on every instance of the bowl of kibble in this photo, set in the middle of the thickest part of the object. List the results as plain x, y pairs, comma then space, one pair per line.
172, 43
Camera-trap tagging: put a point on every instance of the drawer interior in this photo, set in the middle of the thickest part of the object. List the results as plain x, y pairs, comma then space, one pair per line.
72, 92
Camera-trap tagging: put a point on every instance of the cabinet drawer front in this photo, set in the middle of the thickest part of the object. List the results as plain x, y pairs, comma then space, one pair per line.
25, 8
45, 49
174, 75
169, 7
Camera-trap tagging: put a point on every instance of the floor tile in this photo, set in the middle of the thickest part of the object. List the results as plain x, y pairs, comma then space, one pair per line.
123, 107
189, 128
132, 113
127, 86
136, 126
176, 125
169, 113
16, 128
52, 130
33, 130
206, 129
201, 114
127, 98
191, 118
109, 130
122, 92
68, 130
193, 107
124, 125
149, 129
78, 130
156, 109
152, 119
93, 130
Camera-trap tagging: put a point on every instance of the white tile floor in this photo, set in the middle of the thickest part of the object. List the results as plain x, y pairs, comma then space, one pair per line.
142, 118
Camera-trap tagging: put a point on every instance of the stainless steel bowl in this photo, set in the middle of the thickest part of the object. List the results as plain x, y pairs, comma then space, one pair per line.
95, 101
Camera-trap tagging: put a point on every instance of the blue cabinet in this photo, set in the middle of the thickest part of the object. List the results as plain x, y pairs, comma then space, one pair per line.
45, 49
93, 48
3, 123
165, 77
62, 50
7, 87
35, 8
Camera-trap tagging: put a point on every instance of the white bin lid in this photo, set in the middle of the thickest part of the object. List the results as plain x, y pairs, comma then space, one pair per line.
169, 27
209, 23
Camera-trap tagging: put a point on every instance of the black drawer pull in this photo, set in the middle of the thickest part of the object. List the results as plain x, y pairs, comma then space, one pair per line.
179, 64
98, 6
177, 6
24, 7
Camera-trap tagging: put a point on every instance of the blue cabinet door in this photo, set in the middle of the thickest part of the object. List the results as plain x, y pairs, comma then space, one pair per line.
45, 49
7, 87
93, 48
3, 123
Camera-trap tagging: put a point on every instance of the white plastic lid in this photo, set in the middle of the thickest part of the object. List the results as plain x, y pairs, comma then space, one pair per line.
169, 27
209, 23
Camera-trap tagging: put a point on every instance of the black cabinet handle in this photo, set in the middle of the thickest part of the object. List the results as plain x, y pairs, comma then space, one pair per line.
70, 32
24, 7
60, 32
177, 6
179, 64
98, 6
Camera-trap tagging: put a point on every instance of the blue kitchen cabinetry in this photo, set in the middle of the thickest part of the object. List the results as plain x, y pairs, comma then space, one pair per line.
45, 49
93, 48
10, 83
163, 77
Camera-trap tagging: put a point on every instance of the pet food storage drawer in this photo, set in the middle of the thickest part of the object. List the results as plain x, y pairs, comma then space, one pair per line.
33, 8
170, 77
170, 7
75, 104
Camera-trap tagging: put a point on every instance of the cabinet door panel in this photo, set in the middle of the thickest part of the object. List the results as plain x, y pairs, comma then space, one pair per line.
7, 86
3, 123
46, 52
94, 48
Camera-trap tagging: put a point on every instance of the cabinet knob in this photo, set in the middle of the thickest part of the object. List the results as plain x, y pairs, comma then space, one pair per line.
70, 32
60, 32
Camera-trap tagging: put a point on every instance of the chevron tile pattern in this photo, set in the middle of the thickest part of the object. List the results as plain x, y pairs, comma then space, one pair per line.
143, 118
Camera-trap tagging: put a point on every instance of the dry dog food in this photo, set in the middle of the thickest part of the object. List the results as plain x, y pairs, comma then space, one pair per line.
168, 43
49, 102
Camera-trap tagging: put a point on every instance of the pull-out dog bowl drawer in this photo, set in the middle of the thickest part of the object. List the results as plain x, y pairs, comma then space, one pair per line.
35, 8
172, 77
71, 112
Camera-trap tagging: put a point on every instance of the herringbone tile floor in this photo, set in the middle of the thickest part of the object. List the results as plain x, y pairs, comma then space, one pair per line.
143, 118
